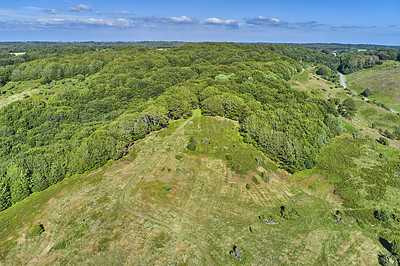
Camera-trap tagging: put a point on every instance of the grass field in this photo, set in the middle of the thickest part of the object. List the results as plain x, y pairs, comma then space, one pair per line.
383, 80
163, 204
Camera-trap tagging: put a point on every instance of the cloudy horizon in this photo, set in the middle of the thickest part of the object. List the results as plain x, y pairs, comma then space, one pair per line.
229, 20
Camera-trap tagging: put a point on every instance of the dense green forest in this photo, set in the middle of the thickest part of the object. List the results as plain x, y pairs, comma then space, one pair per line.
91, 105
344, 47
354, 61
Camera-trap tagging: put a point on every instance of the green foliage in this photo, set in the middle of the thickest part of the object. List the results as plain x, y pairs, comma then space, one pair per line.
4, 75
323, 71
313, 186
167, 187
60, 245
396, 133
383, 141
36, 230
265, 177
223, 77
395, 246
239, 255
289, 213
255, 180
382, 215
347, 108
367, 92
192, 144
248, 186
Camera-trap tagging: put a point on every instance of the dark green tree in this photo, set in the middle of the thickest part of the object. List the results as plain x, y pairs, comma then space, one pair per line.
347, 108
395, 246
367, 92
4, 75
323, 71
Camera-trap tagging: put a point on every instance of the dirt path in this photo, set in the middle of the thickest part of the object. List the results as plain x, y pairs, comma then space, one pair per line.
135, 180
342, 80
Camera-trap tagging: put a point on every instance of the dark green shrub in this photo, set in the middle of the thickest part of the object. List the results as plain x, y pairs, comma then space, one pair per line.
178, 157
382, 215
60, 245
360, 223
265, 177
255, 180
367, 92
289, 213
347, 108
395, 246
239, 255
36, 230
383, 141
338, 217
248, 186
323, 71
192, 145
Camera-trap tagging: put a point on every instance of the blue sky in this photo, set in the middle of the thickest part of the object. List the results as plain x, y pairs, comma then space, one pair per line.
375, 22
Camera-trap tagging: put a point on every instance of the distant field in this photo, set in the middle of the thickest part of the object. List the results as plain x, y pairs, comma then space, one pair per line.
384, 80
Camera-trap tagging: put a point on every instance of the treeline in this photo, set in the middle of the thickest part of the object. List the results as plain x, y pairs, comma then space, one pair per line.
351, 62
30, 51
344, 47
301, 54
78, 122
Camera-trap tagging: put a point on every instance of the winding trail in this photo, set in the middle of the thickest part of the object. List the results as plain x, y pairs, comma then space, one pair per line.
342, 81
126, 193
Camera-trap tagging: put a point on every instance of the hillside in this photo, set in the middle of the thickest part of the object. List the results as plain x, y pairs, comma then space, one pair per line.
383, 81
207, 153
122, 212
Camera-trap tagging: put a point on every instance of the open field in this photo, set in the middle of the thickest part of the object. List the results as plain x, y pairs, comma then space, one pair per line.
165, 205
384, 80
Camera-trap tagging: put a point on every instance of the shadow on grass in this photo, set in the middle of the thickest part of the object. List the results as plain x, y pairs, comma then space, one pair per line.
385, 244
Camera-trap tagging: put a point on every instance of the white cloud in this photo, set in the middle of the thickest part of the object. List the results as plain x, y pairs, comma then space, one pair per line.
80, 7
180, 19
274, 22
125, 12
230, 23
51, 11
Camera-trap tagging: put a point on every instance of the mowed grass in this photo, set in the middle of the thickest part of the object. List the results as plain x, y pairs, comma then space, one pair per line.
383, 80
167, 205
310, 82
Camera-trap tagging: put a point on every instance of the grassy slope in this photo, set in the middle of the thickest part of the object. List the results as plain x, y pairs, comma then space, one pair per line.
356, 163
122, 213
369, 117
384, 80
